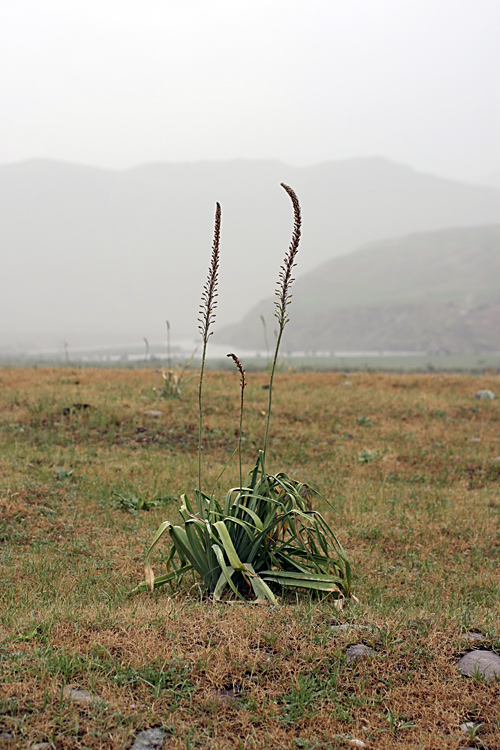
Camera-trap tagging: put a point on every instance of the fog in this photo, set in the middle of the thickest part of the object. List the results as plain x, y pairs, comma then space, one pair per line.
288, 90
120, 83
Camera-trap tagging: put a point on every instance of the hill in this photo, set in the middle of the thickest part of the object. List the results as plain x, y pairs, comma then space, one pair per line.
432, 291
99, 256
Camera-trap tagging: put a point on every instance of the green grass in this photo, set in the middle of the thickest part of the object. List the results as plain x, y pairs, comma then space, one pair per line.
82, 494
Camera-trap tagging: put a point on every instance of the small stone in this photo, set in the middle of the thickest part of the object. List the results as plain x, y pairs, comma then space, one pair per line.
40, 746
487, 394
358, 651
484, 664
466, 726
356, 743
5, 736
230, 696
149, 739
153, 413
473, 635
80, 696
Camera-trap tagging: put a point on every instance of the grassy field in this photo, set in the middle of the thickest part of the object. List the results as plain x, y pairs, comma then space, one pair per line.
411, 465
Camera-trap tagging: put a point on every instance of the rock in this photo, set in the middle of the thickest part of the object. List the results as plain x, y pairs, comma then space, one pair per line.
5, 736
473, 635
40, 746
153, 413
149, 739
230, 696
80, 696
358, 651
487, 394
484, 664
356, 743
466, 726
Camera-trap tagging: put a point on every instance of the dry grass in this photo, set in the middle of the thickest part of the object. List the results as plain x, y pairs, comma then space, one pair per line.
410, 463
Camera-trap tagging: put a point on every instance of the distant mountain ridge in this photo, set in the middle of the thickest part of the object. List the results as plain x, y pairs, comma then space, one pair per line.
101, 255
432, 291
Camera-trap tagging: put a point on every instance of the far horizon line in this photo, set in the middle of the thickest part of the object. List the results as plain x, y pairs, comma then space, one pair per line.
246, 160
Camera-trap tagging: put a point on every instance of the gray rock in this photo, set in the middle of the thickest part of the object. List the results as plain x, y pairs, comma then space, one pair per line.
358, 651
226, 696
40, 746
153, 413
149, 739
473, 635
466, 726
80, 696
485, 394
484, 664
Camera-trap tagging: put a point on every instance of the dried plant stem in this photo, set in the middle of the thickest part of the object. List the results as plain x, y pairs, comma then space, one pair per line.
283, 295
243, 383
169, 359
207, 317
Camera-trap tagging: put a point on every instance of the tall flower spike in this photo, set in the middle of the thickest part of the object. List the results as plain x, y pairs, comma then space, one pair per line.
209, 293
283, 296
285, 275
207, 317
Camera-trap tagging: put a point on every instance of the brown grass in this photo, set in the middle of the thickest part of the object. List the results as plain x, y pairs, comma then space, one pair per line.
418, 506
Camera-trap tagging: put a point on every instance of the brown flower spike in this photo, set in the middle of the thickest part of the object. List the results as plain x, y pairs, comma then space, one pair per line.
209, 293
285, 275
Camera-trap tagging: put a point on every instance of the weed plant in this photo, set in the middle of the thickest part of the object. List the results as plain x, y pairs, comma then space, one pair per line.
265, 533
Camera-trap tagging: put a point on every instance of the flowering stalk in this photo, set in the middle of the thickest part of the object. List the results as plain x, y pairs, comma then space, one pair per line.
243, 383
207, 317
283, 294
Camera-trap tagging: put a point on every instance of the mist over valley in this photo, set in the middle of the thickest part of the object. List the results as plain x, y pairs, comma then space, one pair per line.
100, 257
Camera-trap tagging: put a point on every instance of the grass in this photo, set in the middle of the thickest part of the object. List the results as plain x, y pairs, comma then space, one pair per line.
410, 462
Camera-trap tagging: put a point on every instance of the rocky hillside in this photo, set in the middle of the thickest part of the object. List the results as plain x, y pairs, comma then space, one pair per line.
431, 291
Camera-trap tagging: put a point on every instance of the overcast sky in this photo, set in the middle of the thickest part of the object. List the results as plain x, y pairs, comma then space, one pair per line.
115, 83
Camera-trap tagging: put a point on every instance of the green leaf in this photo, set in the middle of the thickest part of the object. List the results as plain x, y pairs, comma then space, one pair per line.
161, 530
261, 589
227, 572
309, 583
228, 545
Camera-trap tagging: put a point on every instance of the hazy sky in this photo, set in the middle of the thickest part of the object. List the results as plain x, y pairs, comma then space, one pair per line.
118, 82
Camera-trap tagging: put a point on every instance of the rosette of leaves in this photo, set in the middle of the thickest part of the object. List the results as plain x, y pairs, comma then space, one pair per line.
264, 533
